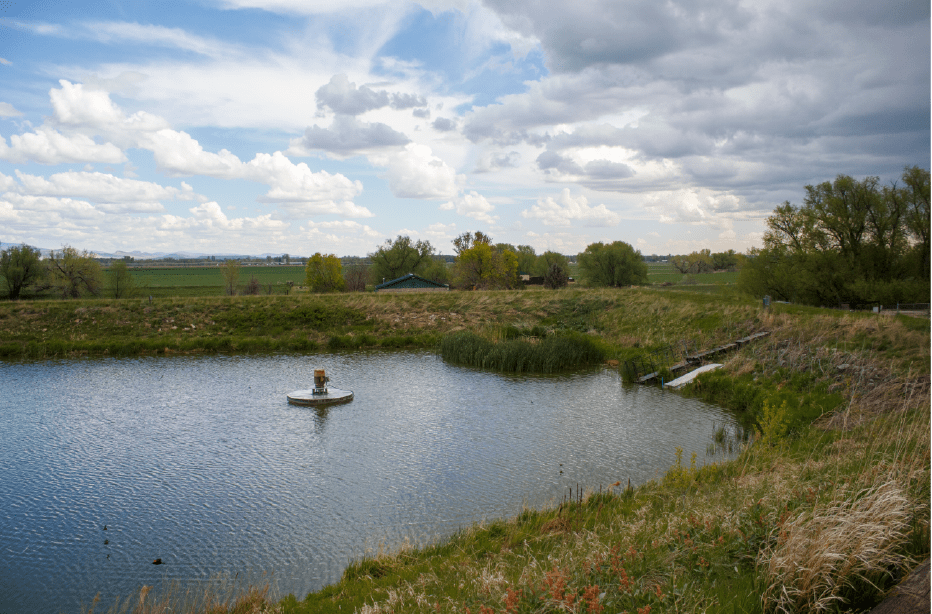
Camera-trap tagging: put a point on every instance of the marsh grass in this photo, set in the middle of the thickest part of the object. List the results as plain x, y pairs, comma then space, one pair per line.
551, 354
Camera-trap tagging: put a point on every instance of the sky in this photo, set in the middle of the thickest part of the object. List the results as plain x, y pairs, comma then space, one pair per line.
303, 126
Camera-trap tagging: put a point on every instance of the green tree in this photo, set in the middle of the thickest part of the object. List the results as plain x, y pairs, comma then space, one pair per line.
121, 280
546, 260
73, 273
324, 273
436, 270
725, 261
468, 240
21, 267
527, 259
481, 266
681, 263
915, 197
395, 258
851, 241
230, 276
616, 264
556, 277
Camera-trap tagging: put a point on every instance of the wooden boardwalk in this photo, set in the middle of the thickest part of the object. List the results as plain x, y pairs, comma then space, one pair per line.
692, 360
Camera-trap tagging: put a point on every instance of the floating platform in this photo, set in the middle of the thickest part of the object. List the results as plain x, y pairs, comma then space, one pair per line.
331, 397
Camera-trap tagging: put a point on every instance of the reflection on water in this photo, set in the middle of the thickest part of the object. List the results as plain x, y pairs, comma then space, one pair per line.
106, 465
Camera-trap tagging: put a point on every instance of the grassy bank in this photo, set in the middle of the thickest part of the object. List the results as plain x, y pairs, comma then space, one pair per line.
826, 509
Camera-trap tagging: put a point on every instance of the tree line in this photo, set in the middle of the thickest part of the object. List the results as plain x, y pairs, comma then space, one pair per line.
851, 241
67, 273
479, 264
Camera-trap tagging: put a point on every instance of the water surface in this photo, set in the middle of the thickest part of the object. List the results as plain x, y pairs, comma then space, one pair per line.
201, 462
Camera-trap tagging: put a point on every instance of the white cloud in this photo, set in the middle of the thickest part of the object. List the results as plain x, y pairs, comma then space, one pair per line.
300, 190
5, 62
472, 205
48, 146
114, 193
417, 173
694, 206
563, 209
347, 136
8, 110
114, 31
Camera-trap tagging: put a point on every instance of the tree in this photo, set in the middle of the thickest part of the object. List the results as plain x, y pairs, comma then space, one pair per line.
230, 276
468, 240
253, 287
917, 217
21, 268
395, 258
851, 241
436, 270
616, 264
481, 266
324, 273
527, 259
546, 260
121, 280
556, 277
355, 277
725, 261
73, 273
681, 263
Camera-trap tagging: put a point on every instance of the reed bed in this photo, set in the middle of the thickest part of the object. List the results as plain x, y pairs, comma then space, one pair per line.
549, 355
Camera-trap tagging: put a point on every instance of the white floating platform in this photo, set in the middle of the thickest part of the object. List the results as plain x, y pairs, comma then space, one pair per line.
332, 396
685, 379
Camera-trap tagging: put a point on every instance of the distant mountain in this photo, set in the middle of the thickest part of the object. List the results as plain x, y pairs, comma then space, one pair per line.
140, 255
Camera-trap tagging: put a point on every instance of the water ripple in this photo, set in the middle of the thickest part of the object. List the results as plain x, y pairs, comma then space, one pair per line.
202, 463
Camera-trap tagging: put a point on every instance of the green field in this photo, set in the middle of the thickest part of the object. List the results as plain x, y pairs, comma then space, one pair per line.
208, 280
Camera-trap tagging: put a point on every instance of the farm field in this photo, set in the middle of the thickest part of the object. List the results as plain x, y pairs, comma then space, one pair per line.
658, 273
208, 281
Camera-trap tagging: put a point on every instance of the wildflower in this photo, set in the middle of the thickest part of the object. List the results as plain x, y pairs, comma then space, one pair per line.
591, 597
512, 598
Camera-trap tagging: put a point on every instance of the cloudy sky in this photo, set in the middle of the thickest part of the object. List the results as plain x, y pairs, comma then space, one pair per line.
273, 126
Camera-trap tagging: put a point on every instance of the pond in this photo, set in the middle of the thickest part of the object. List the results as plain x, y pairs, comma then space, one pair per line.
200, 461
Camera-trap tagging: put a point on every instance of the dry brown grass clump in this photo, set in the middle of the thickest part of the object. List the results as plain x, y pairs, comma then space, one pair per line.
856, 538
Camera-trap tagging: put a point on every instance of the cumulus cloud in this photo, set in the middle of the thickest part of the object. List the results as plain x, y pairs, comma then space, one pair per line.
416, 172
553, 161
562, 210
694, 206
442, 124
110, 193
472, 205
344, 98
48, 146
346, 136
300, 190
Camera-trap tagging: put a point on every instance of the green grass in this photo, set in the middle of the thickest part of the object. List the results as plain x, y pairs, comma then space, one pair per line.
551, 354
212, 277
700, 538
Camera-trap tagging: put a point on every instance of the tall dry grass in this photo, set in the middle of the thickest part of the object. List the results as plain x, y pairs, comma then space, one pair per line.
877, 504
213, 597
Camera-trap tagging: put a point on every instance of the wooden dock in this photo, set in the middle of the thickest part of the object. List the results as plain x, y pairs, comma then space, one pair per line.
691, 360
